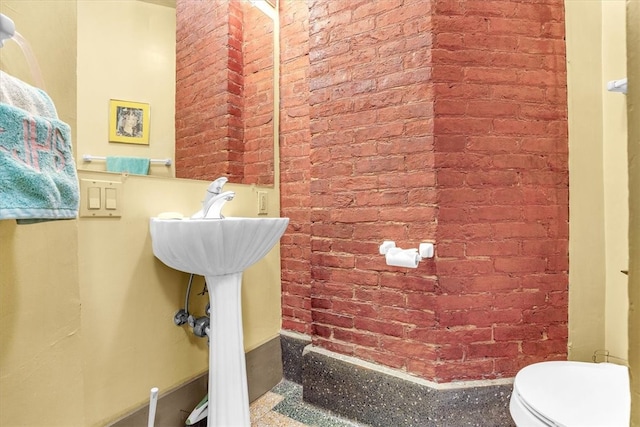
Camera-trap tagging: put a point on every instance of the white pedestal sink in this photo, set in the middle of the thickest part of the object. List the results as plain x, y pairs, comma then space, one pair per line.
220, 250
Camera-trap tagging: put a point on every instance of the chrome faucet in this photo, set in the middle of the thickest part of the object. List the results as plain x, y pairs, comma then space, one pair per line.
213, 207
214, 190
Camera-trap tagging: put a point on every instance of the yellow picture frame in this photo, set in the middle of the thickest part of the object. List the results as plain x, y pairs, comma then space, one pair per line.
128, 122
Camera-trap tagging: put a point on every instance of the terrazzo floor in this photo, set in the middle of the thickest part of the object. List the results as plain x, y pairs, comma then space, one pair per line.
283, 407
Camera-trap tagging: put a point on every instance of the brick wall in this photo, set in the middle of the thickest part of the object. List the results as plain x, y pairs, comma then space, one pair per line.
444, 123
295, 166
502, 173
372, 178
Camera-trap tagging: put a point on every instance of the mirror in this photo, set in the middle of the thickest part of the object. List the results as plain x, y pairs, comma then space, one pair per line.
226, 91
137, 63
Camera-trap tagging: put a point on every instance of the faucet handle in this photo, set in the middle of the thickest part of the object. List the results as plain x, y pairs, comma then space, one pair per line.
216, 186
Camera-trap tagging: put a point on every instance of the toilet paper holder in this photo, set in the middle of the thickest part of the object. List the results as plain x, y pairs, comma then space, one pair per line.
405, 257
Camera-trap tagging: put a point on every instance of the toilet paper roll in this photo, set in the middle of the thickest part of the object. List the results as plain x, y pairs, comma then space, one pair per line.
402, 257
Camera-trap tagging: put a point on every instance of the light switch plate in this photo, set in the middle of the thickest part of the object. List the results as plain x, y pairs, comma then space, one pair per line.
109, 198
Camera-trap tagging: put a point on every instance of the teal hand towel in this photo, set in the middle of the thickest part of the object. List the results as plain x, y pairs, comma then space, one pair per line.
38, 179
133, 165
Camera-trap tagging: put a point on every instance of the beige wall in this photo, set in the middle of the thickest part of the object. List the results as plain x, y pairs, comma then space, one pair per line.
586, 188
87, 311
633, 99
40, 334
601, 37
598, 193
128, 299
616, 185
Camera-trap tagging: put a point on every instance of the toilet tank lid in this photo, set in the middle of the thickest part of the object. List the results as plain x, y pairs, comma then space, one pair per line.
577, 393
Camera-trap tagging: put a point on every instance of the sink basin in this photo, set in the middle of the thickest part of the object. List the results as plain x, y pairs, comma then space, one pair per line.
214, 247
220, 250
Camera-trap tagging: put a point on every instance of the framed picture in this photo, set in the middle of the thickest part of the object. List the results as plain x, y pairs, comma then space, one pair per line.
128, 122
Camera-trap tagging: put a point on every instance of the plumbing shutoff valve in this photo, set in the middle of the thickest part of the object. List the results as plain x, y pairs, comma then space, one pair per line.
201, 326
181, 317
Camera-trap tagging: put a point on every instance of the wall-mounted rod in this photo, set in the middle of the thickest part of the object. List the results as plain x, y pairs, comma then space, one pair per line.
89, 158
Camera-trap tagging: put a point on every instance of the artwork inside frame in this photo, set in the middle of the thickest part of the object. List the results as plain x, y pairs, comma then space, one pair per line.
128, 122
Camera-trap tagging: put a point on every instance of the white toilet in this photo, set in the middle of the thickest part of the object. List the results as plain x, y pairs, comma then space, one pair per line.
571, 394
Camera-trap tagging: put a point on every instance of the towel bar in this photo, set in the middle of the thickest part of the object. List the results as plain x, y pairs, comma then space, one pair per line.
89, 158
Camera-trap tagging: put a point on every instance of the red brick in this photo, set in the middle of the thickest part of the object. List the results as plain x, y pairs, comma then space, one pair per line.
545, 348
465, 267
354, 308
381, 328
327, 318
492, 248
490, 8
421, 368
382, 357
459, 125
546, 315
520, 265
518, 93
495, 213
451, 352
518, 333
356, 337
495, 178
447, 124
502, 349
338, 347
518, 230
412, 349
420, 318
520, 300
391, 298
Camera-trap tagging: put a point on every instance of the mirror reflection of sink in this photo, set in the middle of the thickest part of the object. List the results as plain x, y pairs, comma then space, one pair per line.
214, 247
220, 250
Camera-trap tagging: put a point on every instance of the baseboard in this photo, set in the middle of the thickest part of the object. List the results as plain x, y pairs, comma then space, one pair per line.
264, 368
264, 371
293, 345
383, 397
173, 407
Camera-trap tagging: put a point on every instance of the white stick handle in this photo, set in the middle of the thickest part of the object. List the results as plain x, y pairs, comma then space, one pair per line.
153, 403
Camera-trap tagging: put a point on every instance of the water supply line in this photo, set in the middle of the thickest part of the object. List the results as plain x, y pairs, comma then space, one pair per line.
199, 325
182, 316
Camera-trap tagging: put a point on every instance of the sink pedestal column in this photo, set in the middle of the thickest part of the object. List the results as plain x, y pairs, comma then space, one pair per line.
228, 393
